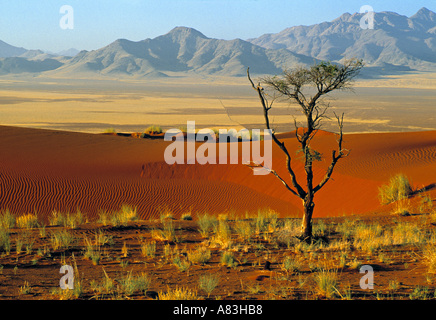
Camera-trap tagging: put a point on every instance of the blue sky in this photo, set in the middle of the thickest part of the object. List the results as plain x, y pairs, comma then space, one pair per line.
35, 24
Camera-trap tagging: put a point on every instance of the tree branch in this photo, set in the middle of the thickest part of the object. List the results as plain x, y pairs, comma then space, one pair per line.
300, 191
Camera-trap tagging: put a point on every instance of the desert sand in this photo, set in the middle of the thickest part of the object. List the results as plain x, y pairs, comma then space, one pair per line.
46, 170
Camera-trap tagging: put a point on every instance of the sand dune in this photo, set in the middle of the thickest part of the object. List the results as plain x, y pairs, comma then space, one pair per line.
44, 170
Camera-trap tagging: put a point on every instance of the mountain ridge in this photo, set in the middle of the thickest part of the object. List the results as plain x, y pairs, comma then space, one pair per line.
396, 44
396, 40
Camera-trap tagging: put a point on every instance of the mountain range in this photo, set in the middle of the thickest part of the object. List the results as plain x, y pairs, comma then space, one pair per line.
396, 44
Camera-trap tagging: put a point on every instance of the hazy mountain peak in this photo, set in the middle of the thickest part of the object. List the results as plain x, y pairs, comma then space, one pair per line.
6, 50
185, 32
424, 14
345, 17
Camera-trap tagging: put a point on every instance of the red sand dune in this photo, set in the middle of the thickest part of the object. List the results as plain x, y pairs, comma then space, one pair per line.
44, 170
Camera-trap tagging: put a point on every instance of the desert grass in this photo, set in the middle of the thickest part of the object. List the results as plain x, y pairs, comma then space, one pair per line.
266, 222
291, 265
110, 130
148, 249
201, 255
426, 204
69, 220
27, 221
62, 239
222, 234
327, 282
118, 218
228, 259
5, 241
166, 233
208, 283
129, 283
398, 188
92, 251
102, 238
182, 264
245, 230
178, 294
403, 207
25, 289
24, 241
429, 256
7, 220
154, 129
125, 215
206, 224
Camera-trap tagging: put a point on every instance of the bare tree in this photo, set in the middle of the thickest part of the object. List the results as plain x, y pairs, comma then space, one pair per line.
324, 77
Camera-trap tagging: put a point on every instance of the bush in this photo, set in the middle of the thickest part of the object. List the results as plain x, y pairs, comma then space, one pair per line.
27, 221
178, 294
153, 130
7, 220
206, 224
399, 188
208, 283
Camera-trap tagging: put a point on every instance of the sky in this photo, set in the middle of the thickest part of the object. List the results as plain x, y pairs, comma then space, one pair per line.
40, 24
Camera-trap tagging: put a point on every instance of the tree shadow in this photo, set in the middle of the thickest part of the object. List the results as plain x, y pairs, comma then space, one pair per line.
424, 189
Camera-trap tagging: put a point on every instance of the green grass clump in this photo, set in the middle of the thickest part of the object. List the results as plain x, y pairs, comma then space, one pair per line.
178, 294
5, 241
125, 215
93, 252
208, 283
27, 221
7, 220
110, 130
291, 265
228, 259
206, 224
129, 284
62, 239
326, 283
399, 188
148, 249
153, 130
118, 218
69, 220
201, 255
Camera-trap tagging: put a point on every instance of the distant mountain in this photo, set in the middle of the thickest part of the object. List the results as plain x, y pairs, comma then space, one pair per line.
397, 42
182, 51
68, 53
15, 65
6, 50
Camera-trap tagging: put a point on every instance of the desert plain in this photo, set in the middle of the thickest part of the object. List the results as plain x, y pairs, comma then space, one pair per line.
134, 227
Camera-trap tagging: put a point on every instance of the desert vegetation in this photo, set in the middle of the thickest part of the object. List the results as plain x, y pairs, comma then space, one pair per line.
255, 256
324, 78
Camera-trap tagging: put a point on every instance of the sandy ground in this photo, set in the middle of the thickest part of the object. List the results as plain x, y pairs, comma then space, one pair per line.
383, 105
45, 170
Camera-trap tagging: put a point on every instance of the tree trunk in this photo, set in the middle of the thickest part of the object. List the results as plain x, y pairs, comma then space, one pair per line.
306, 227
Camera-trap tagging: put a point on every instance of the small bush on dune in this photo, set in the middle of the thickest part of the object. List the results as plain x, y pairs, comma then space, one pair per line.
27, 221
153, 130
178, 294
201, 255
5, 241
69, 220
118, 218
125, 215
208, 283
110, 130
206, 224
7, 220
399, 188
